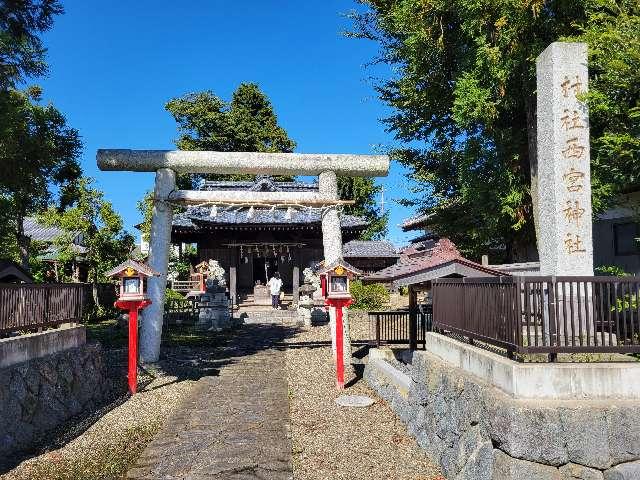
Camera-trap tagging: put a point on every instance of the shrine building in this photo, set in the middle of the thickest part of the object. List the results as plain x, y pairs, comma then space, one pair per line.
251, 243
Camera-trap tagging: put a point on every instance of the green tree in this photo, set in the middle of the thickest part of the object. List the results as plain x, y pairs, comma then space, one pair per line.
38, 151
365, 192
107, 243
368, 297
145, 207
21, 50
248, 123
464, 87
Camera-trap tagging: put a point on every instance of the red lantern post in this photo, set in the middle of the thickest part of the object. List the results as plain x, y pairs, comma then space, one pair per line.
132, 307
132, 298
335, 279
339, 304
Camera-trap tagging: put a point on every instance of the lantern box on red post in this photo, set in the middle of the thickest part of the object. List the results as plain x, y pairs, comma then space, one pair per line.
132, 297
336, 279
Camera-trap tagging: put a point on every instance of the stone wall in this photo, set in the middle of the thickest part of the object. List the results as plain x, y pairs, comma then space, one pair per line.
39, 395
476, 432
22, 348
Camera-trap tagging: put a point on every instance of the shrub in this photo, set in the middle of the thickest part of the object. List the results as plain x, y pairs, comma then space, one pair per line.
368, 297
173, 295
611, 271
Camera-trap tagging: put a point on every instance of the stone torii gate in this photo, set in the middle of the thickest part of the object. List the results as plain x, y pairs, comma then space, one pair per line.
167, 164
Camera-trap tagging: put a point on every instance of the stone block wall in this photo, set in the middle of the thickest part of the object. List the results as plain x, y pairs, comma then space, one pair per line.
41, 394
476, 432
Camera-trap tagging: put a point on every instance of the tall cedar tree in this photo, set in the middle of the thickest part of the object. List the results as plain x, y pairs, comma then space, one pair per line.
21, 50
37, 149
247, 123
464, 87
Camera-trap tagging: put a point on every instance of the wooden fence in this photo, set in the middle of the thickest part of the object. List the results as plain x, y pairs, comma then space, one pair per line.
542, 314
400, 327
33, 306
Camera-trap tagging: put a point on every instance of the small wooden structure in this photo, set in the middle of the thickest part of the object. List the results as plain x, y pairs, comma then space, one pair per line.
338, 276
11, 272
132, 276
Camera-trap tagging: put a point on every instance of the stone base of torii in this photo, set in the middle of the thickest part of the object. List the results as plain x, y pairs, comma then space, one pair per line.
167, 164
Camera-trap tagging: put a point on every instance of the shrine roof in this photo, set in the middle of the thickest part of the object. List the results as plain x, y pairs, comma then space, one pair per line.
429, 264
196, 217
11, 272
370, 249
39, 232
415, 223
339, 262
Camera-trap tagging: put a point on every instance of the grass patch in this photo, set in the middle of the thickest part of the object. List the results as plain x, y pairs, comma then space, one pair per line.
184, 336
111, 460
110, 335
107, 333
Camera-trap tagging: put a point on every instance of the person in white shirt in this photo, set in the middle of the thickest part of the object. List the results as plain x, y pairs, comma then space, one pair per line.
275, 285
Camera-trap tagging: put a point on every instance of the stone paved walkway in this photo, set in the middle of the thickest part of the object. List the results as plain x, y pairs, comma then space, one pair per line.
232, 426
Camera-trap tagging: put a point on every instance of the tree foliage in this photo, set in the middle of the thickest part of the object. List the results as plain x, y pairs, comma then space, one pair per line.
365, 192
368, 297
90, 215
38, 151
248, 123
21, 50
464, 87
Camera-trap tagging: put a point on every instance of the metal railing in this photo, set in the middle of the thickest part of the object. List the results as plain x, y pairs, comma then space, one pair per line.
542, 314
400, 327
34, 306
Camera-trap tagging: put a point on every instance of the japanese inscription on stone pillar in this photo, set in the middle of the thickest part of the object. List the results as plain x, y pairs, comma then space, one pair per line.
564, 174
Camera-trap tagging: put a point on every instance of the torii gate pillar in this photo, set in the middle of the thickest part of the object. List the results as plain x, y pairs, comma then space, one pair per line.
159, 245
332, 244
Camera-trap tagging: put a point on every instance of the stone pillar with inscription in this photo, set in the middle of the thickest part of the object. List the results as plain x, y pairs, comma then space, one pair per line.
564, 211
564, 215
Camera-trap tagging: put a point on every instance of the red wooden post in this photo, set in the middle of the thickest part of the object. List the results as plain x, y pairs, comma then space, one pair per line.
133, 306
339, 350
133, 350
339, 303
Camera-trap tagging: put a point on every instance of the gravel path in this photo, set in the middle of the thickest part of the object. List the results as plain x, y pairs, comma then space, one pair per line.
105, 450
330, 442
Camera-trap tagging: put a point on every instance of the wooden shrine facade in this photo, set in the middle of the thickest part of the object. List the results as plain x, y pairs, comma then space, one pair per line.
251, 243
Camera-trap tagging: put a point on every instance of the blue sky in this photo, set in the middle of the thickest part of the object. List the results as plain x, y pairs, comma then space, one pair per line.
113, 66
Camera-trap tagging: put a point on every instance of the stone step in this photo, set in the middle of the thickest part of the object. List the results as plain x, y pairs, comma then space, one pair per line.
269, 316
